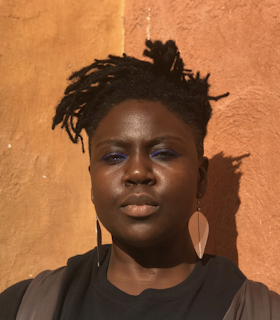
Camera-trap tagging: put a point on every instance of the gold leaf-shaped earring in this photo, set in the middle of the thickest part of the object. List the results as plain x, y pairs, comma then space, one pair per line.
199, 231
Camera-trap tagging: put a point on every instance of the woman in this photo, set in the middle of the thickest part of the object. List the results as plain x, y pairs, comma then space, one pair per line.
146, 124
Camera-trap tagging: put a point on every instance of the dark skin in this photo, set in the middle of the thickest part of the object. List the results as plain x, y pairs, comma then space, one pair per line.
146, 177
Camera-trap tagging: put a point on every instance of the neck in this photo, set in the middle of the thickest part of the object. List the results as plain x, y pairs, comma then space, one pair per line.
134, 269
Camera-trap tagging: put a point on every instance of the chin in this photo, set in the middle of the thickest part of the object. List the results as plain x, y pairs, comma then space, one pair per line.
141, 239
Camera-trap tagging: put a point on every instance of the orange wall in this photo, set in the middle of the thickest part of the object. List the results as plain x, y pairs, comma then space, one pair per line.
45, 211
46, 214
238, 42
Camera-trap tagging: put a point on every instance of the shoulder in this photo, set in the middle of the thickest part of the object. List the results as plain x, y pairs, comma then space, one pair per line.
265, 301
47, 283
223, 267
254, 301
221, 279
11, 298
18, 299
43, 291
79, 263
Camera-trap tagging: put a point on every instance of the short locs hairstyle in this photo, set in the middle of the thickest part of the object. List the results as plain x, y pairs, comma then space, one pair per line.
95, 89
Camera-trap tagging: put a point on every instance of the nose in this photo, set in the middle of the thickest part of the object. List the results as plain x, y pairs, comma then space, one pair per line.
139, 170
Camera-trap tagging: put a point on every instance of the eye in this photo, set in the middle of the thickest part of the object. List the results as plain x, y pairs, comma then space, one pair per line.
164, 154
114, 158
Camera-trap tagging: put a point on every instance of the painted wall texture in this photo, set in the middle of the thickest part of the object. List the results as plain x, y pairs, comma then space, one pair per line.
45, 211
46, 214
238, 42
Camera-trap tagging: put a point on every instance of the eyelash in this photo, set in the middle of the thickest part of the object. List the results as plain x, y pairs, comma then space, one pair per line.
162, 154
165, 154
114, 157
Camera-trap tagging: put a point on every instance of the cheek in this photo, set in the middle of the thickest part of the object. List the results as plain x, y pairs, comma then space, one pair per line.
181, 176
106, 187
178, 188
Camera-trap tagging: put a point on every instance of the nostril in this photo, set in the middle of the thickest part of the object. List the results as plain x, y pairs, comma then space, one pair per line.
147, 181
130, 182
137, 182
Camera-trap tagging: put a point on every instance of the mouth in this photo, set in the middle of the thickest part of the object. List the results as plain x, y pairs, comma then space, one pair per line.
139, 211
139, 205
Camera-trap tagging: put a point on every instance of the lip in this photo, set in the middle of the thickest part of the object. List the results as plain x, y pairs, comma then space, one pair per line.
139, 211
139, 199
139, 205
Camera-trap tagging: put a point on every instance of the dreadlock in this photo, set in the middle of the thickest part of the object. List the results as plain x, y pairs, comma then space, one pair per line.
95, 89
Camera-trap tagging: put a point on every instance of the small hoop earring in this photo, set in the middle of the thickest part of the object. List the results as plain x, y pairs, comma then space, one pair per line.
199, 231
98, 240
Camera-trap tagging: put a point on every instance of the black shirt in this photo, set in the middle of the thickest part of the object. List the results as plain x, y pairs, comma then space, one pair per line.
86, 294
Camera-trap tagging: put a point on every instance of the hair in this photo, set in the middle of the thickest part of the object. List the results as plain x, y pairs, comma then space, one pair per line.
95, 89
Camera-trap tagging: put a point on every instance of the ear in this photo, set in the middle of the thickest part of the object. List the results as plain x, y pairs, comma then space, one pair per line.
202, 177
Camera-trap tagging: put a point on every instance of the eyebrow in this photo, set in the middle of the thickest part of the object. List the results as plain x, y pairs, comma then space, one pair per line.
123, 143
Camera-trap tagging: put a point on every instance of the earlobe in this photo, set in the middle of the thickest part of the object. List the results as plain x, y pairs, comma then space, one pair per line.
202, 177
92, 197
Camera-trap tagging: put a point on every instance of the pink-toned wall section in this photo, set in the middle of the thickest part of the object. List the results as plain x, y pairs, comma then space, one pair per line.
46, 215
239, 43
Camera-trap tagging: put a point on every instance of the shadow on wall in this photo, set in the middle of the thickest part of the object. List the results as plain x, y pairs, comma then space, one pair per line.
221, 204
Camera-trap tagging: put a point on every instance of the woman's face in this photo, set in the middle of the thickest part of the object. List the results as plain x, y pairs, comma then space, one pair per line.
145, 173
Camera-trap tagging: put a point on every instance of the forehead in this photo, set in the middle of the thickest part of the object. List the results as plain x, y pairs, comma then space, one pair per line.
140, 120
